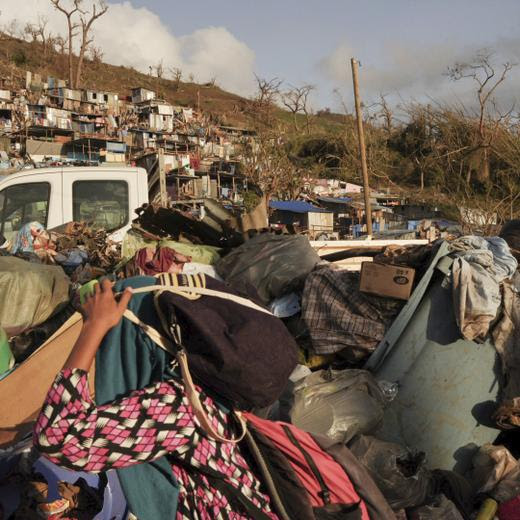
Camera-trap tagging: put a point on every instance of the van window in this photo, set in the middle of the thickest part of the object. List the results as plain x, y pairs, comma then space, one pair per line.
103, 203
23, 203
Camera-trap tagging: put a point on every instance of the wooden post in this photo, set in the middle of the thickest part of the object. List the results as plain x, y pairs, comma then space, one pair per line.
162, 178
362, 150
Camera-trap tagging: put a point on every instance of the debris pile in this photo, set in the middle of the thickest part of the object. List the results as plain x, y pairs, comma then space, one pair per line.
419, 379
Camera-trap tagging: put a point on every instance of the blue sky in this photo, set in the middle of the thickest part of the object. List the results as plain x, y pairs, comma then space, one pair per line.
405, 46
293, 39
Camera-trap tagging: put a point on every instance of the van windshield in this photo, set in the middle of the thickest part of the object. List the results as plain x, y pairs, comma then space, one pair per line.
21, 204
102, 203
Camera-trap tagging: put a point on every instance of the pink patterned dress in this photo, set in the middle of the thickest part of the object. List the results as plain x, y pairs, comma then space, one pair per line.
74, 433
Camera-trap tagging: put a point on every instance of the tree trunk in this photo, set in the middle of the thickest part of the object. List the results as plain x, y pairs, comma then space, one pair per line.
80, 64
70, 55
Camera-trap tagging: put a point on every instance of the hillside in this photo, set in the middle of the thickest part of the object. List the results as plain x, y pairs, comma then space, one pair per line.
435, 155
17, 56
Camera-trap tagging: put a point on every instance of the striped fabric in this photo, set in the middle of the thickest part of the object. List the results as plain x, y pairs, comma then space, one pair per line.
75, 433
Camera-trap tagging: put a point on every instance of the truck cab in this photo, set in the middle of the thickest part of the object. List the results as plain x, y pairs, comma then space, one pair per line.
105, 196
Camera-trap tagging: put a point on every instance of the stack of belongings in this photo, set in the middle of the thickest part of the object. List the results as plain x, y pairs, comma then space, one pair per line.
344, 322
242, 357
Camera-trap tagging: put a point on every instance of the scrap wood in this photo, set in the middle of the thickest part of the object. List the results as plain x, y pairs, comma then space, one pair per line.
102, 252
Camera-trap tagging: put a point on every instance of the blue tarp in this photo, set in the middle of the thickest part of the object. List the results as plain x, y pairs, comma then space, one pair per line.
296, 206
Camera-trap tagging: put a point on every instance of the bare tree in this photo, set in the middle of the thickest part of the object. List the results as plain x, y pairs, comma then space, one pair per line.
268, 92
488, 79
176, 73
38, 33
72, 27
60, 44
99, 8
79, 18
159, 69
386, 114
296, 101
95, 54
268, 164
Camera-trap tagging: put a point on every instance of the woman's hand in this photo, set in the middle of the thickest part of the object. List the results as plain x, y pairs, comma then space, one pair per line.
101, 310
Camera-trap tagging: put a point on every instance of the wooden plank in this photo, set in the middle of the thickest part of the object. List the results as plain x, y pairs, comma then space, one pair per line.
323, 247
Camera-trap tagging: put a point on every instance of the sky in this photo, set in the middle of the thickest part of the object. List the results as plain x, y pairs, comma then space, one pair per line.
404, 46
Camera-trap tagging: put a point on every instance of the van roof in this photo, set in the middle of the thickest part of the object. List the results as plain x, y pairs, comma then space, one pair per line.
65, 169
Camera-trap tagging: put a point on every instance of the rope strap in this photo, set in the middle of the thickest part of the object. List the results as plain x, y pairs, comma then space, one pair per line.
191, 392
183, 291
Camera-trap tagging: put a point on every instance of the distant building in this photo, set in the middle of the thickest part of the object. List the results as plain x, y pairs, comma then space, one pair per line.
331, 187
156, 115
105, 100
140, 94
299, 213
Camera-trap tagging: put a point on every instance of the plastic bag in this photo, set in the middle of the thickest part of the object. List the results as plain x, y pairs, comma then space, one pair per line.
496, 472
399, 473
440, 508
273, 264
33, 293
133, 241
338, 403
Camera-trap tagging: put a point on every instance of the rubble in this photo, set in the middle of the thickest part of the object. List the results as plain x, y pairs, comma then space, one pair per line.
386, 377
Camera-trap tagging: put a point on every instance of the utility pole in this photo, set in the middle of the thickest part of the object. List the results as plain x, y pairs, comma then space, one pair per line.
162, 178
362, 151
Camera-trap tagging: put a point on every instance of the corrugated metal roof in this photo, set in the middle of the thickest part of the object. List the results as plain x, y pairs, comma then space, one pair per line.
296, 206
335, 200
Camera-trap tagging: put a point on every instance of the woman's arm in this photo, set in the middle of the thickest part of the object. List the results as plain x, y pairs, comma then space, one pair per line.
75, 433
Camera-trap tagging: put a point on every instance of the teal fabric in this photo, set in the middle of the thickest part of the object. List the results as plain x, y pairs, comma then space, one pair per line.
128, 360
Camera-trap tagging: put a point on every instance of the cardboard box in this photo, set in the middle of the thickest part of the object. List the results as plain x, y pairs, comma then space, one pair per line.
393, 281
23, 390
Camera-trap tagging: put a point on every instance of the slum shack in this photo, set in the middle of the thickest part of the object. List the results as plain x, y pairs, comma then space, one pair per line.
317, 222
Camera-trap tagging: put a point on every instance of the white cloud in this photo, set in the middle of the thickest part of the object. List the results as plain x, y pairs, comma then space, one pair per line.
137, 37
419, 72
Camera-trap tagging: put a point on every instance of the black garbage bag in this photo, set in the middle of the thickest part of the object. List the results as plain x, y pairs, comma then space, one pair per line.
273, 264
399, 473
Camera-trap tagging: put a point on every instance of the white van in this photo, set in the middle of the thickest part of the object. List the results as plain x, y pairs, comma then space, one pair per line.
106, 196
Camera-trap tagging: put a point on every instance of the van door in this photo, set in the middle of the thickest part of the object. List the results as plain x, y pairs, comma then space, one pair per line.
104, 199
30, 198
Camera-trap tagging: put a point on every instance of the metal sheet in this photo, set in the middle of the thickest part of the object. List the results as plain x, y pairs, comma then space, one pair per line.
447, 386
